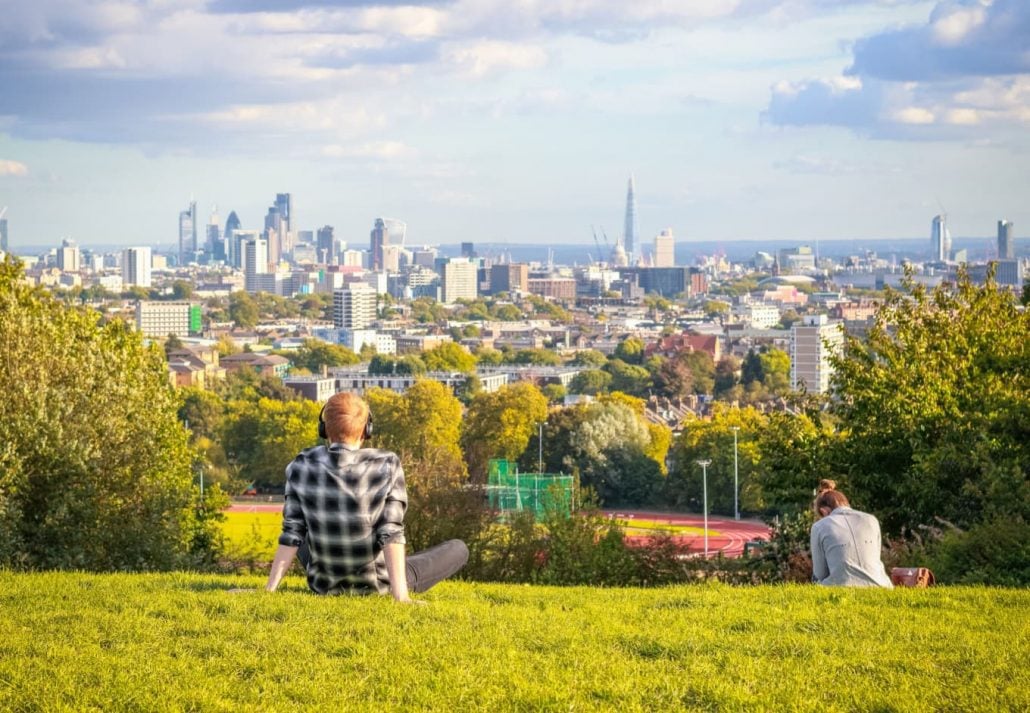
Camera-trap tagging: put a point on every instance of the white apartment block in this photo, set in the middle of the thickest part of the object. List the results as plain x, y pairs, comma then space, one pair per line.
758, 315
136, 267
354, 307
159, 319
812, 342
459, 281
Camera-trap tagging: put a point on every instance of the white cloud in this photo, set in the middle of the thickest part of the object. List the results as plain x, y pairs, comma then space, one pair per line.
913, 115
953, 25
13, 168
372, 149
482, 58
962, 117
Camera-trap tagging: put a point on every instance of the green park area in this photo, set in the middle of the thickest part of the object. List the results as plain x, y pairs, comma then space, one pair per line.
73, 641
253, 534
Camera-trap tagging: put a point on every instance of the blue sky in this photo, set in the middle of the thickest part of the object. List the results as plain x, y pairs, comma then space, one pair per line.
516, 120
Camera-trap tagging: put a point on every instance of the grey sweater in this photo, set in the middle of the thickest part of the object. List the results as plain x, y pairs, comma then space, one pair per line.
846, 550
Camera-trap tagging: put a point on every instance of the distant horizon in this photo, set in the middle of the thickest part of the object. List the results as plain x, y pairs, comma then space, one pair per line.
516, 122
734, 249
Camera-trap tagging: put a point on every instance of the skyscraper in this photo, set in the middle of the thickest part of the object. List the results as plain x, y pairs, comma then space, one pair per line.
232, 253
629, 235
326, 245
284, 204
940, 239
136, 267
188, 233
665, 249
379, 237
1006, 251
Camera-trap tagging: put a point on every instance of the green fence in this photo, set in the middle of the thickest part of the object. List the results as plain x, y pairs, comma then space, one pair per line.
512, 491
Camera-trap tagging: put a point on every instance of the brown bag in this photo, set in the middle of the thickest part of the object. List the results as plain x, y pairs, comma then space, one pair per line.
912, 577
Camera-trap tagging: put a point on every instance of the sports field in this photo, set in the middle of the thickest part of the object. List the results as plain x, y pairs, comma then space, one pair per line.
171, 642
254, 528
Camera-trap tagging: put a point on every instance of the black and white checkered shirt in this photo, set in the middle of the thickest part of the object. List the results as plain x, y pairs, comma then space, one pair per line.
348, 503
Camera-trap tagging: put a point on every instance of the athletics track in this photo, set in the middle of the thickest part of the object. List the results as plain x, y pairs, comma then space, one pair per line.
727, 536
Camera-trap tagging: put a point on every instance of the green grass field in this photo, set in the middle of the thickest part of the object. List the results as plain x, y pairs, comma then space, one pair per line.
77, 642
641, 526
255, 533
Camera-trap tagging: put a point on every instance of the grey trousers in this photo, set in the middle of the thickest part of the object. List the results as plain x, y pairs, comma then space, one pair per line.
425, 568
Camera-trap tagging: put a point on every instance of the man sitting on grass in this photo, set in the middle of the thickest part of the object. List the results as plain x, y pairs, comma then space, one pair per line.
344, 515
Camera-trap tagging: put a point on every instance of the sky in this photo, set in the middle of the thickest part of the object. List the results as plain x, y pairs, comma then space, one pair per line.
516, 121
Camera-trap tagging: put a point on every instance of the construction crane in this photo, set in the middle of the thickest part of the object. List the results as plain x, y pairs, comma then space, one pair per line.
600, 255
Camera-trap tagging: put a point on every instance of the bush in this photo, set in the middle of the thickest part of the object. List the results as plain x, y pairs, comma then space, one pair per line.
95, 469
995, 553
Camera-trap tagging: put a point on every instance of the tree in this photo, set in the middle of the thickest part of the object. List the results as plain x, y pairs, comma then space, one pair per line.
182, 290
506, 313
629, 379
591, 358
243, 310
796, 453
703, 370
630, 350
315, 354
935, 403
713, 440
717, 308
673, 378
386, 365
590, 382
726, 375
95, 469
245, 384
422, 426
555, 393
775, 370
449, 357
537, 357
489, 357
265, 435
500, 424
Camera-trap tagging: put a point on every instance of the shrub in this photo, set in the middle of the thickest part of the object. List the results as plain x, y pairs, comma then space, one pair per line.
995, 553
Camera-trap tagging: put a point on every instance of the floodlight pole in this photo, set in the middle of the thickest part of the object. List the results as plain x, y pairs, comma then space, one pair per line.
540, 444
704, 470
736, 486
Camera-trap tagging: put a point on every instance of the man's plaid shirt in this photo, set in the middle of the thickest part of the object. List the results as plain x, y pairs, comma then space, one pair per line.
348, 503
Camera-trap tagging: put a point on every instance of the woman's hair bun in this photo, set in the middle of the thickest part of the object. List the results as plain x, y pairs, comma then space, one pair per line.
827, 484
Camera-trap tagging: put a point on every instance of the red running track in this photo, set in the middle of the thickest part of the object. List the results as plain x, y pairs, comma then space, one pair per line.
733, 534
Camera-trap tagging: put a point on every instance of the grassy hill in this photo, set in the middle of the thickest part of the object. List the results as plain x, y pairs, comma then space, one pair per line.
182, 642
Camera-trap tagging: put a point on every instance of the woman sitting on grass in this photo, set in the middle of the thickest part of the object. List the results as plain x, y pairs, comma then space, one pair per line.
846, 543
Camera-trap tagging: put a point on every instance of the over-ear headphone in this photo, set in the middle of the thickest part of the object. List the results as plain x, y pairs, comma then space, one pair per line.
323, 433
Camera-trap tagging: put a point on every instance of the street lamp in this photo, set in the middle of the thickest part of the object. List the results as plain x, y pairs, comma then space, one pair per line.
704, 469
736, 486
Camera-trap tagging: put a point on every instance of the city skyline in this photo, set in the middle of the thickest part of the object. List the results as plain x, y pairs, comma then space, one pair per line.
792, 119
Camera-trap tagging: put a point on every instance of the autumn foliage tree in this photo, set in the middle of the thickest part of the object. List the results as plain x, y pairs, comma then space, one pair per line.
500, 424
